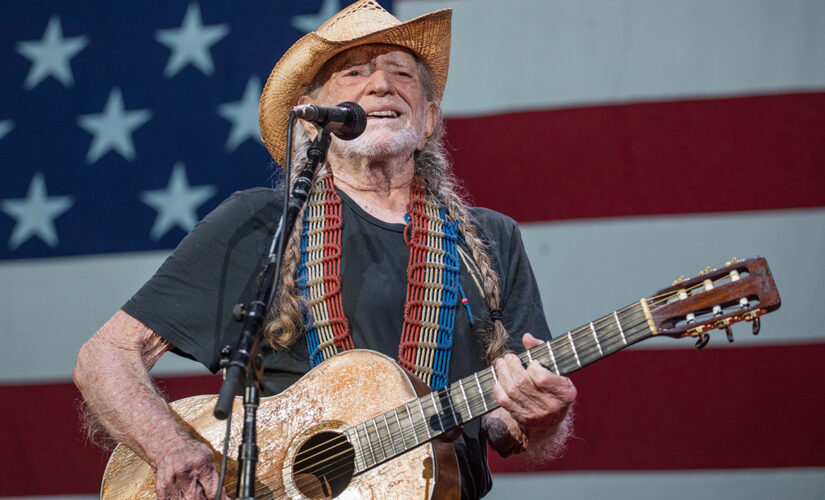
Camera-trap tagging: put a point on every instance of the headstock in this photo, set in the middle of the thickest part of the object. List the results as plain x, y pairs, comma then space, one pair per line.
743, 290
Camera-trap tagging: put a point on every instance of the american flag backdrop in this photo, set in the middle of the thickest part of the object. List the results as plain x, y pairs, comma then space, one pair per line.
633, 140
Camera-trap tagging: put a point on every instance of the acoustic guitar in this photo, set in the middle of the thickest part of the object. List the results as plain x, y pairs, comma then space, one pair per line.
358, 426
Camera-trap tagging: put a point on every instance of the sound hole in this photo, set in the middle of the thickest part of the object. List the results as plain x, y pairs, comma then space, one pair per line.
324, 465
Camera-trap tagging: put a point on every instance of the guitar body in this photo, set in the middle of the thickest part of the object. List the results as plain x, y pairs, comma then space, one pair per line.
345, 390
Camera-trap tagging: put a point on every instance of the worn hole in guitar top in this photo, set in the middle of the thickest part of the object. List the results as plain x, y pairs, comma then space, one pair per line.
324, 465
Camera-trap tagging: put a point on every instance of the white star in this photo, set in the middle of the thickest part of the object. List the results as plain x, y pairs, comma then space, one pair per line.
6, 126
244, 115
177, 204
311, 22
50, 55
35, 213
191, 42
113, 128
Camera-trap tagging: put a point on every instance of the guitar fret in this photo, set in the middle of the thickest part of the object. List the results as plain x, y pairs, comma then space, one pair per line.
452, 406
369, 443
380, 440
412, 423
493, 371
596, 336
437, 414
400, 429
389, 434
573, 346
621, 331
481, 392
529, 356
424, 418
466, 401
356, 446
553, 358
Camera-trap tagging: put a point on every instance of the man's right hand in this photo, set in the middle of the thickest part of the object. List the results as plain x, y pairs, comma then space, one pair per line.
112, 373
185, 470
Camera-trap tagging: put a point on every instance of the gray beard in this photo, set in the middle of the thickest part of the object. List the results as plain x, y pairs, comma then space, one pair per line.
379, 143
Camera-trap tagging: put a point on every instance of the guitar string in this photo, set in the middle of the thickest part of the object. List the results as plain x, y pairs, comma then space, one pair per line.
582, 348
401, 432
425, 399
331, 467
583, 331
334, 467
586, 332
335, 470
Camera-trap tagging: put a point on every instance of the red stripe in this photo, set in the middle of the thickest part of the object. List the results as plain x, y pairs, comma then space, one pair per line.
43, 448
718, 408
719, 155
726, 408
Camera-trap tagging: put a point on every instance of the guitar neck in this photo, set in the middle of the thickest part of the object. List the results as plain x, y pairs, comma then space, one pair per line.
420, 420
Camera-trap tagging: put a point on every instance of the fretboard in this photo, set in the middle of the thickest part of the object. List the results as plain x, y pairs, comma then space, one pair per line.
420, 420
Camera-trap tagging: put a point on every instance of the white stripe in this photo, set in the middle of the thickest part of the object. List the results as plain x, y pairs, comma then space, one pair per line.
648, 253
532, 54
762, 484
80, 294
83, 292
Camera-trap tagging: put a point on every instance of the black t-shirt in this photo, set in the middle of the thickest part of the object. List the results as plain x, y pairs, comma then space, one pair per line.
189, 300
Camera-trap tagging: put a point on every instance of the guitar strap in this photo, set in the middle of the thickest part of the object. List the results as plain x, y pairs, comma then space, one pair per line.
432, 282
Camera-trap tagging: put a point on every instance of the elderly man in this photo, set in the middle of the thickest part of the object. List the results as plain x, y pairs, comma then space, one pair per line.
393, 228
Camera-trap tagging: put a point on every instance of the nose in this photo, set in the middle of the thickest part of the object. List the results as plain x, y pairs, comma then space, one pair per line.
379, 83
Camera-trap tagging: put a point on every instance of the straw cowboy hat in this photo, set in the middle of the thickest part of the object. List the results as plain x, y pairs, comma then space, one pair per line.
361, 23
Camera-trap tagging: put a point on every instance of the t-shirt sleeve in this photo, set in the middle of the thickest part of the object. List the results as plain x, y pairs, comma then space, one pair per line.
520, 300
189, 300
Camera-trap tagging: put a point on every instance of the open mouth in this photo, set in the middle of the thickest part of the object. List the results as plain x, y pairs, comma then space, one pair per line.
383, 114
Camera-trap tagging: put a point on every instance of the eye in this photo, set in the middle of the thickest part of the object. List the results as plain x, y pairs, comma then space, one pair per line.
352, 72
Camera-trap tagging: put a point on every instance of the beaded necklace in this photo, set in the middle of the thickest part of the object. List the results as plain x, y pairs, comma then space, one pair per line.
432, 282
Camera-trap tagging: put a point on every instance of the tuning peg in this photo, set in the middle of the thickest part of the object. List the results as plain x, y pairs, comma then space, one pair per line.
680, 279
756, 326
733, 261
706, 270
702, 341
729, 334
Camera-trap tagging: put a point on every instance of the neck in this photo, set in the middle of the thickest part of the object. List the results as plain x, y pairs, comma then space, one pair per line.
380, 186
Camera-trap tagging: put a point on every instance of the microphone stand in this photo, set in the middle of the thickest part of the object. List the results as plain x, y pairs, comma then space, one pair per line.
245, 362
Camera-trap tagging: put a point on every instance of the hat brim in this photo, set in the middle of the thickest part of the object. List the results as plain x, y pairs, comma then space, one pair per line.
427, 36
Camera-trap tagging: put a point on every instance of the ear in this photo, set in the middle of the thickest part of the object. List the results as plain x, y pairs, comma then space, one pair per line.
431, 118
308, 127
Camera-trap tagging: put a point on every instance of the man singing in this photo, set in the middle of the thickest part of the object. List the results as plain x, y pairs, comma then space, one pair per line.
385, 256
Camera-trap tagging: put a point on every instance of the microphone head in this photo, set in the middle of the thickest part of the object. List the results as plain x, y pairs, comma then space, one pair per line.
355, 124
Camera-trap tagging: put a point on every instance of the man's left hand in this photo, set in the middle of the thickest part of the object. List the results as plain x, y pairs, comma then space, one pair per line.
534, 396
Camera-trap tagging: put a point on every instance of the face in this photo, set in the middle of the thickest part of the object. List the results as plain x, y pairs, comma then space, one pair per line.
385, 81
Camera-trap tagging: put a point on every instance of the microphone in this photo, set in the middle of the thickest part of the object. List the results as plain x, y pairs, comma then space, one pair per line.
346, 120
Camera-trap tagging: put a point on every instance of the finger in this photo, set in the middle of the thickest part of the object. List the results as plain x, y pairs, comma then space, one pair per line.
516, 384
210, 487
209, 482
546, 381
164, 485
529, 341
208, 477
194, 489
